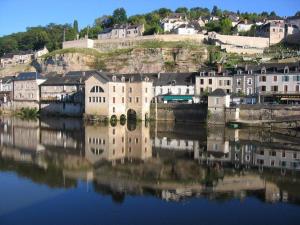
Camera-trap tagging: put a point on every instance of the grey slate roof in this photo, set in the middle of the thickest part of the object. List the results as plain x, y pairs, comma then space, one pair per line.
29, 76
218, 92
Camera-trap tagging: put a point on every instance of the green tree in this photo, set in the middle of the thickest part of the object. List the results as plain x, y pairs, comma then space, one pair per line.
297, 13
182, 10
225, 26
7, 45
216, 11
119, 16
75, 26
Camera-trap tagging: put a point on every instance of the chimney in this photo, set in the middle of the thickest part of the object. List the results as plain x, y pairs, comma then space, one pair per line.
219, 68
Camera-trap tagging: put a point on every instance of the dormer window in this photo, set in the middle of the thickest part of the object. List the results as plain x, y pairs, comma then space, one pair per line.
123, 79
173, 82
250, 72
263, 70
146, 79
114, 78
286, 69
131, 79
239, 72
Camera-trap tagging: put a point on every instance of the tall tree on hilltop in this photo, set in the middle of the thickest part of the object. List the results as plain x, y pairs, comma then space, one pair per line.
119, 16
216, 11
75, 26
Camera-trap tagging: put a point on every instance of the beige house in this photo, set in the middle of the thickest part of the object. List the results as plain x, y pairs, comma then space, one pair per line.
208, 82
107, 95
274, 30
217, 101
122, 31
26, 90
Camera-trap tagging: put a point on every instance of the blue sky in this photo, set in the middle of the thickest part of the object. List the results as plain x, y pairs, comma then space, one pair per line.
16, 15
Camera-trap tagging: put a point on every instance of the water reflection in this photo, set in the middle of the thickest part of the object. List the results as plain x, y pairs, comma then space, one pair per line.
169, 161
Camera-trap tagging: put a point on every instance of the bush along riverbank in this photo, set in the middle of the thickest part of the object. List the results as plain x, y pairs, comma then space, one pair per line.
27, 113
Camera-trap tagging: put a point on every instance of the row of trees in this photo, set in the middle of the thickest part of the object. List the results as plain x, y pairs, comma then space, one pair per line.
52, 35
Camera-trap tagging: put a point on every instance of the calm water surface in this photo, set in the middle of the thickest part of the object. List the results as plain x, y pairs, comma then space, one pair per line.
66, 172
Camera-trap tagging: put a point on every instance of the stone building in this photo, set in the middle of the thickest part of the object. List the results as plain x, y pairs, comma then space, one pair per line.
64, 94
170, 87
173, 21
274, 30
6, 89
209, 81
107, 95
12, 59
217, 101
122, 31
26, 90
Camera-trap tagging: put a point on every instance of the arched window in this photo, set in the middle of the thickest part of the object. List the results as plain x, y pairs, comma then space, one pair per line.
96, 89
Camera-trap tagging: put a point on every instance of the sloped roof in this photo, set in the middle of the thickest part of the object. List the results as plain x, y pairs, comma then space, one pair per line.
218, 92
29, 76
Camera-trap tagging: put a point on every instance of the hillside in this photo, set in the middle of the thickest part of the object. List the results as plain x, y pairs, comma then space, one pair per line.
151, 57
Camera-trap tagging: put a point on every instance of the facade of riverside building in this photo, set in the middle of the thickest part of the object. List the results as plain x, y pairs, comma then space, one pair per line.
109, 95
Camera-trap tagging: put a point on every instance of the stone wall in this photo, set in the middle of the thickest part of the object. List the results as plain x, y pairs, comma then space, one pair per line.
268, 112
252, 42
179, 112
112, 44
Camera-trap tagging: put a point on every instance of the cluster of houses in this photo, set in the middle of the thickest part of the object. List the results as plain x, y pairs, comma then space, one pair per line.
177, 23
21, 57
106, 94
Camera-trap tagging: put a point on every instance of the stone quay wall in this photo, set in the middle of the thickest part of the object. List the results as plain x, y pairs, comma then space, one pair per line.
179, 112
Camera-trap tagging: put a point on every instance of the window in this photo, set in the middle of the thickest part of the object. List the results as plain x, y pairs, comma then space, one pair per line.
114, 100
123, 89
249, 81
90, 99
220, 83
96, 89
201, 81
114, 109
238, 82
249, 91
130, 90
103, 99
94, 99
137, 99
297, 88
187, 91
123, 100
262, 78
209, 81
114, 88
146, 90
228, 82
275, 78
286, 88
274, 88
283, 154
285, 78
130, 99
217, 101
263, 88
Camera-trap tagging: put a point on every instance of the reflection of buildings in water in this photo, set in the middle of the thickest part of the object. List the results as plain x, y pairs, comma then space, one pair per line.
175, 144
117, 143
274, 158
229, 145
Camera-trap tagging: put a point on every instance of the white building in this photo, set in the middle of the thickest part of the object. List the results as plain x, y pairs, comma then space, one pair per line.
185, 29
173, 21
